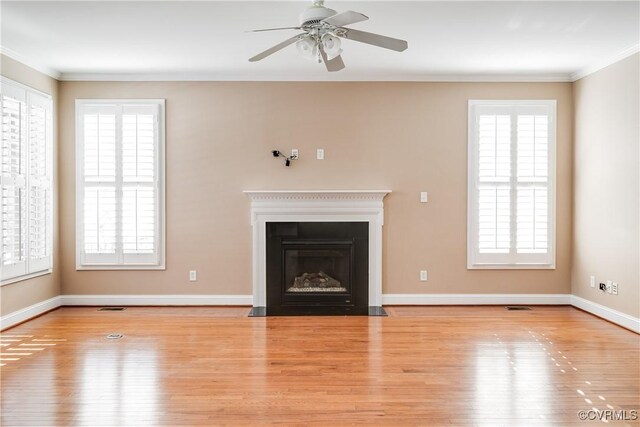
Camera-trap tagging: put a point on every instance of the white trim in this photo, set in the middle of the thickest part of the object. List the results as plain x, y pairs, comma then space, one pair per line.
168, 300
316, 206
214, 76
108, 267
301, 77
29, 312
26, 277
161, 182
614, 316
30, 97
29, 62
590, 69
340, 195
512, 261
9, 81
476, 299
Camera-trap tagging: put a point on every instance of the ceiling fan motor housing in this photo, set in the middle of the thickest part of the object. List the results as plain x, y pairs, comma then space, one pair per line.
314, 14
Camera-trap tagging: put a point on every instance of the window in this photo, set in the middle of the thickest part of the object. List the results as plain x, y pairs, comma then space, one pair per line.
511, 189
120, 184
26, 173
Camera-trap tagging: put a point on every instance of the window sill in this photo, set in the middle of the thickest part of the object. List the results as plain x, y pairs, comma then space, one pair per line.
25, 277
511, 267
129, 267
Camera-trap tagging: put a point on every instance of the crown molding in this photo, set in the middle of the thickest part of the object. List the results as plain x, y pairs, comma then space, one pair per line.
361, 77
31, 63
590, 69
358, 77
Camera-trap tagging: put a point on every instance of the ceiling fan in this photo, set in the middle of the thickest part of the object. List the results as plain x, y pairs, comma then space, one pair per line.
322, 30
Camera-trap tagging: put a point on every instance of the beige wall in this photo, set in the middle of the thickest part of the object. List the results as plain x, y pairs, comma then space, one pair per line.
607, 185
22, 294
407, 137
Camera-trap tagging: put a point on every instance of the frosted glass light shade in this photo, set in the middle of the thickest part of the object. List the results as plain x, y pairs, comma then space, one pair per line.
331, 45
307, 47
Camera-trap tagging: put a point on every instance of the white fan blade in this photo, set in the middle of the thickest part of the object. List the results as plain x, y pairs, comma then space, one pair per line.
345, 18
335, 64
275, 48
274, 29
375, 39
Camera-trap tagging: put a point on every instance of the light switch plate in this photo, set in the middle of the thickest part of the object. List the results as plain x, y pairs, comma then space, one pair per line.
614, 288
424, 197
592, 281
320, 154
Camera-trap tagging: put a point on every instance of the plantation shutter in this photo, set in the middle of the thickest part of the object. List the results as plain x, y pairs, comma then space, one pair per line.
511, 188
14, 133
494, 175
532, 218
26, 173
139, 204
98, 156
40, 191
120, 180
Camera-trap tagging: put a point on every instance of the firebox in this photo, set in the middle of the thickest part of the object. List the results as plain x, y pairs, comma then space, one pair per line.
317, 268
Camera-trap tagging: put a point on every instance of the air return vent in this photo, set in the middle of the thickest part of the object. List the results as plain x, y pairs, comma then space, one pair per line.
111, 309
517, 307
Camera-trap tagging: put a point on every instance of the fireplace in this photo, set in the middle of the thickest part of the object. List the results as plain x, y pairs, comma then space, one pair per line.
317, 268
329, 261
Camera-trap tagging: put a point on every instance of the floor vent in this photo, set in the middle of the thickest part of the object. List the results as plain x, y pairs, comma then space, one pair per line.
517, 307
111, 309
114, 336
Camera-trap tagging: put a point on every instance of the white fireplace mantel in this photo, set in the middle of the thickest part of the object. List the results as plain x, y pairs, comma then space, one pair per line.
317, 206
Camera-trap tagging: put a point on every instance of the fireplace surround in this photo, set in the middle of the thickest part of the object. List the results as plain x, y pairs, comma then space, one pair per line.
318, 206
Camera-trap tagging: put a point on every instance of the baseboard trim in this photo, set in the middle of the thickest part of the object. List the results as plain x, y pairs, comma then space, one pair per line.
126, 300
613, 316
476, 299
27, 313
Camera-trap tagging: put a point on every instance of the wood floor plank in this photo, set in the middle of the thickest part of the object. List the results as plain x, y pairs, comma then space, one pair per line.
422, 366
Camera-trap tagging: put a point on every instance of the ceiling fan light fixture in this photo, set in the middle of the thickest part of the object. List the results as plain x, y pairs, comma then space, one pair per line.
307, 47
331, 44
322, 32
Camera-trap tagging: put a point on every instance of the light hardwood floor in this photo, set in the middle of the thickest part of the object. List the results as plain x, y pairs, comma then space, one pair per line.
426, 366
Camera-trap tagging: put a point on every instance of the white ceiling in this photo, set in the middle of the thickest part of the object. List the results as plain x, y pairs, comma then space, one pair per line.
448, 40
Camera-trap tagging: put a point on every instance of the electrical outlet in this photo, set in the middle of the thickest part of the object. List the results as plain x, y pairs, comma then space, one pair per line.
294, 153
423, 275
608, 286
424, 197
614, 288
320, 154
603, 287
193, 275
592, 281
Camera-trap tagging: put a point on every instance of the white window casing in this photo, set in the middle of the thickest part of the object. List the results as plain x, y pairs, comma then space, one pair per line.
120, 184
26, 173
511, 184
